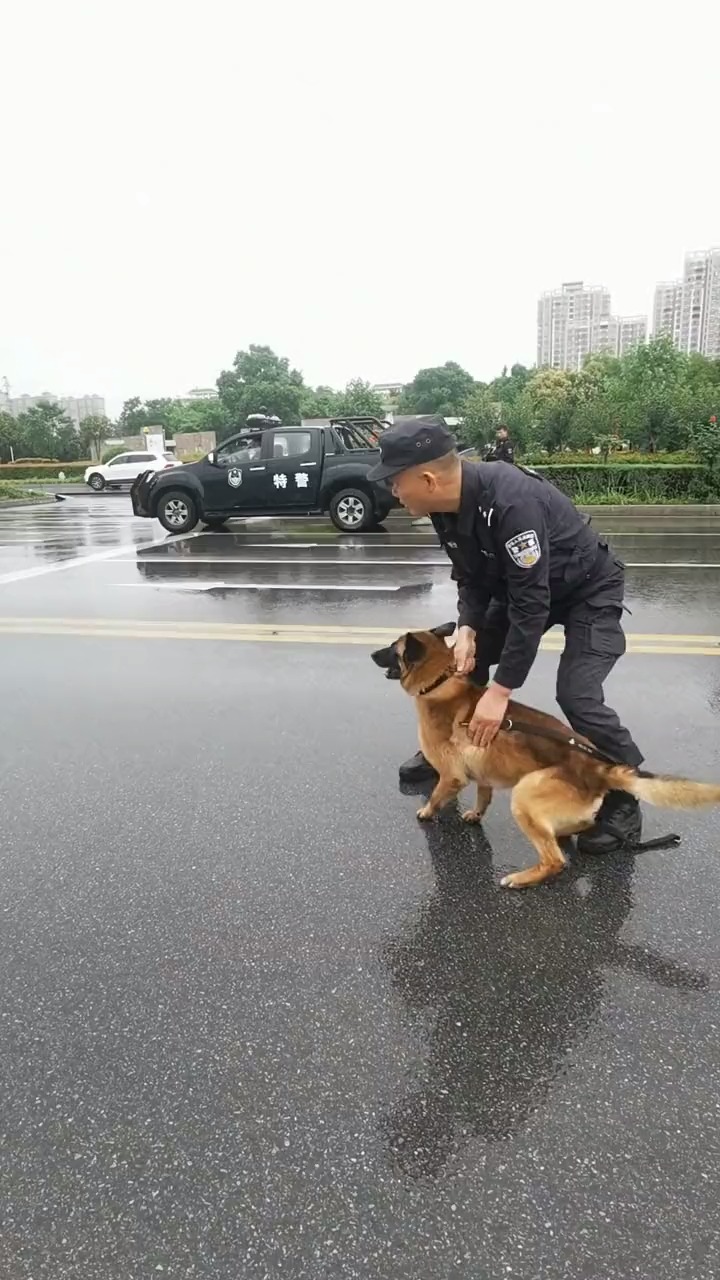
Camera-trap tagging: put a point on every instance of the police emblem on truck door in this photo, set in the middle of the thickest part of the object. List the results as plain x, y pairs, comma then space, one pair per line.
235, 477
524, 549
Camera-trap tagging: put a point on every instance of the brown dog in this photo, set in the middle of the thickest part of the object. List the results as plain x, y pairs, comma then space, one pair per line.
556, 788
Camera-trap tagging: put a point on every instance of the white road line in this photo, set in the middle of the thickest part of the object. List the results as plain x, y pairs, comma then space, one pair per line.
39, 571
630, 533
669, 565
349, 564
360, 563
258, 586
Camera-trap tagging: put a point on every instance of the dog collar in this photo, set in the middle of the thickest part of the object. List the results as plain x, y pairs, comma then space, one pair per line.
447, 675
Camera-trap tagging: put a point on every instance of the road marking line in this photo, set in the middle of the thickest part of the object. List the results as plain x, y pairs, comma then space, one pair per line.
669, 565
264, 586
76, 562
650, 533
265, 633
313, 560
326, 628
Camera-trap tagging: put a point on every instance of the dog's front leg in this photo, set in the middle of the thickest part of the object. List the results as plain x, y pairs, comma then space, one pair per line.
446, 789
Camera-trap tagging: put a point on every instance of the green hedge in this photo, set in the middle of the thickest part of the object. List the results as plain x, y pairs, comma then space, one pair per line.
40, 470
12, 492
628, 459
592, 482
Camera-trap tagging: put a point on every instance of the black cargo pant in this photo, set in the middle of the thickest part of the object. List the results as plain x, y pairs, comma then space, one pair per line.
594, 640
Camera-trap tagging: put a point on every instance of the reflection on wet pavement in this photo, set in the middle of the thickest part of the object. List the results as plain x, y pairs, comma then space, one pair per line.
499, 992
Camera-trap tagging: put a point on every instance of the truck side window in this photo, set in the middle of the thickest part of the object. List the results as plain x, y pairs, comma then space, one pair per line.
241, 449
292, 444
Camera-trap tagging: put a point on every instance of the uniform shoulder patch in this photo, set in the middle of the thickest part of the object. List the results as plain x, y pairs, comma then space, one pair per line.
524, 549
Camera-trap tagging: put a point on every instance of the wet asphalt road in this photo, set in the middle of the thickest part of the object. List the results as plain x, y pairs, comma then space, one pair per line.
254, 1020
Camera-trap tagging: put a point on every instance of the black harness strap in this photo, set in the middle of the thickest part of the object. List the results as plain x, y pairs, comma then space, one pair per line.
555, 735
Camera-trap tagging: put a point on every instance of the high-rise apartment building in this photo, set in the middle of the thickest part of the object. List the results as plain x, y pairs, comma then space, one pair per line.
575, 322
632, 331
570, 321
77, 408
688, 310
666, 310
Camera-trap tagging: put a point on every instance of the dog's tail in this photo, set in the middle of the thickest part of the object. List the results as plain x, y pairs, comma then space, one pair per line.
664, 791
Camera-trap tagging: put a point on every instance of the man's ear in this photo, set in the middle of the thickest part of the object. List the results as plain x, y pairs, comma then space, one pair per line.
447, 629
414, 649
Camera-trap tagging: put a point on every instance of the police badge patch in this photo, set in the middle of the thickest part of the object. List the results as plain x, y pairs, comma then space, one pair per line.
235, 477
524, 549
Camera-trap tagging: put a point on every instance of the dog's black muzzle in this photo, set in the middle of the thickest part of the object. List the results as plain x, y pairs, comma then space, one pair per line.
389, 661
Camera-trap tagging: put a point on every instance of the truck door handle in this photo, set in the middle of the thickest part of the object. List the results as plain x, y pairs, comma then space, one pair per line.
308, 464
257, 468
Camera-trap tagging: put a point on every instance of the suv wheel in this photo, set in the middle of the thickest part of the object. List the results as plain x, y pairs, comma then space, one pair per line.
352, 511
177, 511
96, 481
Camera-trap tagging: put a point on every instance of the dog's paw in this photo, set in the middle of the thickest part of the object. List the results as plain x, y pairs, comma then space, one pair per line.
425, 814
472, 815
515, 881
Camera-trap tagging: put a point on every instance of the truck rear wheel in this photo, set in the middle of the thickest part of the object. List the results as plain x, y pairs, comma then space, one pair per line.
177, 511
352, 511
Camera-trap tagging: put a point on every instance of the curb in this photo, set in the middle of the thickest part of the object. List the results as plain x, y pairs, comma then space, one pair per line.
633, 508
24, 502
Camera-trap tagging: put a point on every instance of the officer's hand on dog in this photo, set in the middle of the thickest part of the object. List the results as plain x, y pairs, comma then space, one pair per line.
465, 651
489, 715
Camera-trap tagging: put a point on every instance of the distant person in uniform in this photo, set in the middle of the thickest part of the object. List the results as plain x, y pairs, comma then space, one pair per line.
524, 560
503, 450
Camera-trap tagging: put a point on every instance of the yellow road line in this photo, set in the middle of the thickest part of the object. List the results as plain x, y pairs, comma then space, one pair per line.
266, 633
301, 629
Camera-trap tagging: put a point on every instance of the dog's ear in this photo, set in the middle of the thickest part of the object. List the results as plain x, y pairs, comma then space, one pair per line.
447, 629
414, 649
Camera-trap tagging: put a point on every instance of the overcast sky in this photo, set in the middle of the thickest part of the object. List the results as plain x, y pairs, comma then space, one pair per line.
367, 187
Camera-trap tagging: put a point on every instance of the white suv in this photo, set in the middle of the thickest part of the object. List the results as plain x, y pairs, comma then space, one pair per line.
126, 468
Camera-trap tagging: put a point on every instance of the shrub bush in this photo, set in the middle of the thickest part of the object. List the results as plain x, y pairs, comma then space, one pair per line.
12, 492
595, 483
40, 470
630, 459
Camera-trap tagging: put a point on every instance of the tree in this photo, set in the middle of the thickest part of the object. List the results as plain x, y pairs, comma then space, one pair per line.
552, 397
360, 400
159, 413
259, 379
133, 417
320, 402
11, 438
508, 388
481, 415
199, 415
652, 395
92, 434
48, 433
442, 390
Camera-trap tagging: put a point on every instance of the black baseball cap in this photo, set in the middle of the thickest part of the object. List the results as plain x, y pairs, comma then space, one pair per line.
409, 443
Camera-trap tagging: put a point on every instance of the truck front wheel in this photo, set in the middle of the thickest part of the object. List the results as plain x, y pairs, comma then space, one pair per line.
352, 511
177, 511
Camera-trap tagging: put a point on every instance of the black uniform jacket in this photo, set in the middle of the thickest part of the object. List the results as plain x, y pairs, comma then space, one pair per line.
517, 540
501, 451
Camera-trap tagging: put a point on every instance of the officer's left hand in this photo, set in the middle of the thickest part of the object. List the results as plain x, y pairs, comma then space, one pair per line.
489, 715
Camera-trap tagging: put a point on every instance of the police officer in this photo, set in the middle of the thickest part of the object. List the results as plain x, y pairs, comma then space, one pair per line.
524, 560
503, 450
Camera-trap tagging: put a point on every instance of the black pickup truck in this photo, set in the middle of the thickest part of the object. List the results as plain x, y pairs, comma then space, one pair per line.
299, 470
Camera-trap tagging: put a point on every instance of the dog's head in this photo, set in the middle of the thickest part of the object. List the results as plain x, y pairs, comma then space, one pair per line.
416, 656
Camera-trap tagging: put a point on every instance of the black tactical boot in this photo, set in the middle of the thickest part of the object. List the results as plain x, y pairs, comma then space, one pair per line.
417, 769
617, 825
